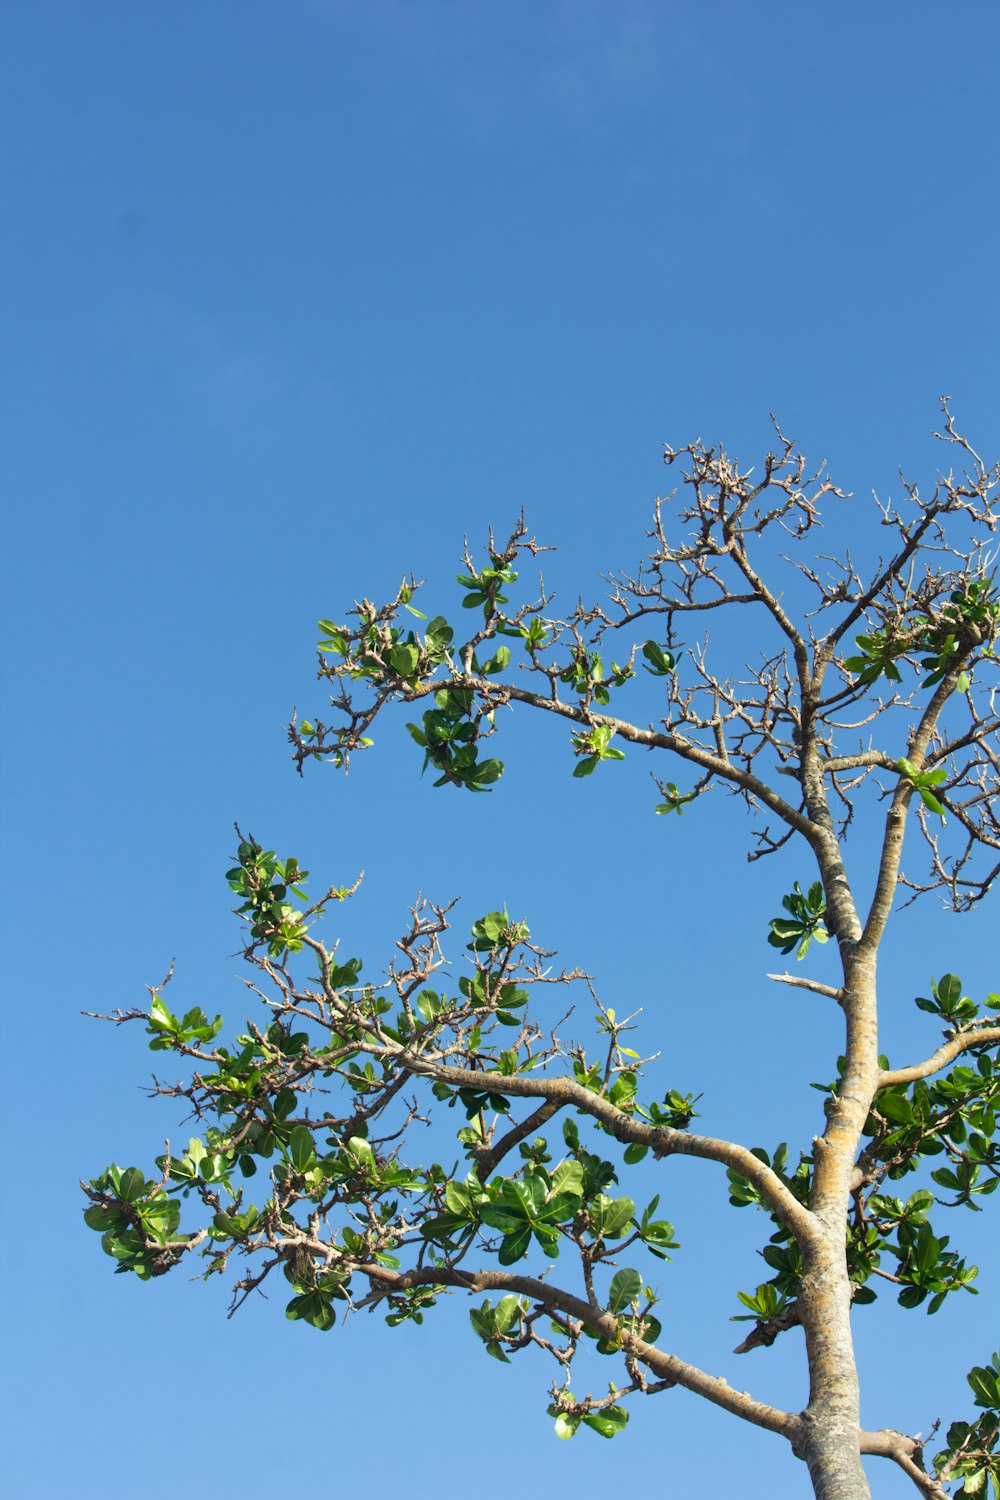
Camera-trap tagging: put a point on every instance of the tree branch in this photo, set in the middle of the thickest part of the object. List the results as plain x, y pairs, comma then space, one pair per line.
907, 1452
650, 738
662, 1140
958, 1043
667, 1366
895, 822
801, 983
495, 1154
890, 571
864, 759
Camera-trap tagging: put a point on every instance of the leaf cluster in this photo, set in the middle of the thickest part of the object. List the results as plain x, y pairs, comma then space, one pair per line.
804, 923
971, 1451
967, 620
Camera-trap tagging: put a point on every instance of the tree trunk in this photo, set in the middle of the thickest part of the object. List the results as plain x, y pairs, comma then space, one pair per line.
835, 1468
831, 1423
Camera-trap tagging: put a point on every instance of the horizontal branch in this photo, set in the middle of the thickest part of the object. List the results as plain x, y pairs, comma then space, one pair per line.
799, 982
665, 1366
653, 739
956, 1044
662, 1140
864, 758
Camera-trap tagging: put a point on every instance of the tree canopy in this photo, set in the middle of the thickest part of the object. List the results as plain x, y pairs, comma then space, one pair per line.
851, 692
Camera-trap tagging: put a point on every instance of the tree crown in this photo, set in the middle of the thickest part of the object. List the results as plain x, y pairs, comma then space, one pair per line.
870, 695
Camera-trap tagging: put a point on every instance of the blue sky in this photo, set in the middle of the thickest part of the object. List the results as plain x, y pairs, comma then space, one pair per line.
294, 296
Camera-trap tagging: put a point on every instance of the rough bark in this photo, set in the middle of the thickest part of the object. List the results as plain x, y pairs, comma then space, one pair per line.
828, 1436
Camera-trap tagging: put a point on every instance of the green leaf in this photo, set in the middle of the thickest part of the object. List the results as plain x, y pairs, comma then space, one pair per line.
566, 1425
503, 1217
616, 1218
626, 1287
508, 1312
485, 772
529, 1194
314, 1308
132, 1185
100, 1216
609, 1422
444, 1226
568, 1178
985, 1387
301, 1148
159, 1015
491, 1324
362, 1152
948, 990
560, 1206
403, 660
659, 661
337, 637
438, 636
488, 931
931, 802
894, 1107
513, 1246
548, 1239
497, 663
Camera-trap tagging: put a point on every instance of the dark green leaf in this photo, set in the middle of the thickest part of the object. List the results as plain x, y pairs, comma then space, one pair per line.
985, 1387
301, 1148
609, 1422
132, 1185
949, 989
513, 1246
626, 1286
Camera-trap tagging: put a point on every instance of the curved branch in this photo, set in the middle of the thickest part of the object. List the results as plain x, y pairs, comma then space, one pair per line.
495, 1154
666, 1366
907, 1452
956, 1044
662, 1140
650, 738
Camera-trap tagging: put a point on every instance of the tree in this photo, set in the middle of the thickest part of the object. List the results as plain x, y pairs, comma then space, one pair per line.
872, 697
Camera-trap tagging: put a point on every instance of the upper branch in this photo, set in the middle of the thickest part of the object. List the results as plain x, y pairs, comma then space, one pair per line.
895, 822
961, 1041
932, 606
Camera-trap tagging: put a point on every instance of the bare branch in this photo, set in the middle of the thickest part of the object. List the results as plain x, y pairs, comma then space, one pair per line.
801, 983
907, 1452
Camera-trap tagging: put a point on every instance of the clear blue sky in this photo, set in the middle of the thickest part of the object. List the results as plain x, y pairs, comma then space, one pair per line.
294, 295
